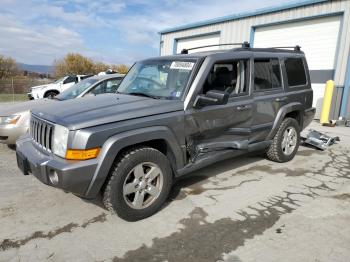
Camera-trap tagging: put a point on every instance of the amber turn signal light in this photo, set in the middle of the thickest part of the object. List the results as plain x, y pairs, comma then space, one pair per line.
84, 154
14, 120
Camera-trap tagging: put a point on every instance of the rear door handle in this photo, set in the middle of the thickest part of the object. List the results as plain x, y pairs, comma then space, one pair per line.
246, 107
281, 99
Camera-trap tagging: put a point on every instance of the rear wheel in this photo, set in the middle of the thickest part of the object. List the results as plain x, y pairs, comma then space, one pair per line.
286, 141
139, 184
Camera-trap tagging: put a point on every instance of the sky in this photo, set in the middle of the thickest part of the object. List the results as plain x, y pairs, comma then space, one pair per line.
40, 31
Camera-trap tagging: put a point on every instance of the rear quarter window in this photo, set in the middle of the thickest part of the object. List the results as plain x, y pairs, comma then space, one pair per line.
295, 72
267, 74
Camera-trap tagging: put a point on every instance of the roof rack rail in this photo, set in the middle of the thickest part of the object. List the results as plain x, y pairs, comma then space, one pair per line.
296, 48
244, 45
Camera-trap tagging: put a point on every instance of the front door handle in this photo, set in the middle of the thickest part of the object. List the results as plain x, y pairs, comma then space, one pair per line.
245, 107
281, 99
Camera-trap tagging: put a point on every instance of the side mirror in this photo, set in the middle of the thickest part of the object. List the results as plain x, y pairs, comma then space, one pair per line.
212, 97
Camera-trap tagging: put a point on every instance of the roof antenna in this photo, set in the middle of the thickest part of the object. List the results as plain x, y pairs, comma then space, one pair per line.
297, 48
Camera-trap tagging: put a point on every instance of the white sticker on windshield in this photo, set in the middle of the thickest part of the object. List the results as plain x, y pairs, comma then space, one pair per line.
182, 65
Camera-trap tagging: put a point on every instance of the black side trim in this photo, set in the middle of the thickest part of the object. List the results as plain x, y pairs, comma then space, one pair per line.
262, 126
239, 131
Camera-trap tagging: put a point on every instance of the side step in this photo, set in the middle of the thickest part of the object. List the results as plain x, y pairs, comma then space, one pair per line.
214, 146
220, 153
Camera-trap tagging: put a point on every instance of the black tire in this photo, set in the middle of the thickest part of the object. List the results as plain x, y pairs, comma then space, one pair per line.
51, 94
275, 151
113, 196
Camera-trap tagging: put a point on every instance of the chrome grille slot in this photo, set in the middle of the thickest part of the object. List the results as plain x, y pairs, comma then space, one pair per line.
41, 131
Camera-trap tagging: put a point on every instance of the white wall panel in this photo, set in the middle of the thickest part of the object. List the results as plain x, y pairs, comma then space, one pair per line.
317, 37
198, 41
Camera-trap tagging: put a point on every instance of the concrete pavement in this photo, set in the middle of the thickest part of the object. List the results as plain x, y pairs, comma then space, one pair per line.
247, 209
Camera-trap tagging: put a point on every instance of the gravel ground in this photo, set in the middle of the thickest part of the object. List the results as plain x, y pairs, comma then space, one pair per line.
248, 209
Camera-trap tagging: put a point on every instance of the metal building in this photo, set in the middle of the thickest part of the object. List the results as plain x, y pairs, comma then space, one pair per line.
320, 27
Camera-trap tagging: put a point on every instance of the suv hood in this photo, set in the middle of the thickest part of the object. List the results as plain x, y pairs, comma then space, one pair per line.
105, 108
52, 85
41, 86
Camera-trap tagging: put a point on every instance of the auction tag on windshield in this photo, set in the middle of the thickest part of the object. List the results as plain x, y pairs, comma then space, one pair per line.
181, 65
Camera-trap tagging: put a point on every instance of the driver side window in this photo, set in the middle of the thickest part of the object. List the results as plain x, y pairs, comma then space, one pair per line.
99, 89
228, 76
112, 85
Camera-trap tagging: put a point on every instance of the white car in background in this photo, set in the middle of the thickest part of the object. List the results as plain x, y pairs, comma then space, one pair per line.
14, 119
55, 88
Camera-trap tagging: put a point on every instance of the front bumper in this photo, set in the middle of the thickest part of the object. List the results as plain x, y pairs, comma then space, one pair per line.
10, 133
73, 176
34, 94
309, 115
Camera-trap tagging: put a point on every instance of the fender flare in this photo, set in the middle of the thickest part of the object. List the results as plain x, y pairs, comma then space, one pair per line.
295, 106
118, 142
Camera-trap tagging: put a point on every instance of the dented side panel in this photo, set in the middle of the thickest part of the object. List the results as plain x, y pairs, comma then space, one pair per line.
218, 127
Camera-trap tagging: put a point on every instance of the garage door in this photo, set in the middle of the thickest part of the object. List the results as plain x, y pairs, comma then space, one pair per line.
318, 39
185, 43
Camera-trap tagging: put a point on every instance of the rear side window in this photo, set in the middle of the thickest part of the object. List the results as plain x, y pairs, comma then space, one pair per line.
267, 74
295, 71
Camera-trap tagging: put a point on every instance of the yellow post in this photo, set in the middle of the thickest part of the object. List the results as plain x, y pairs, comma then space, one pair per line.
327, 101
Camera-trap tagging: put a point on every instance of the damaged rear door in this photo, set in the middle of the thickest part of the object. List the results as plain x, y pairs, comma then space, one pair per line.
226, 126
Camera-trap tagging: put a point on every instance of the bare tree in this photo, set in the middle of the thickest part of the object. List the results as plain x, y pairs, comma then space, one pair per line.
121, 69
73, 64
8, 67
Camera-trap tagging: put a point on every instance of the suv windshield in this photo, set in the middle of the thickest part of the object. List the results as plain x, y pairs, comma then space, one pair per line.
76, 89
157, 78
59, 80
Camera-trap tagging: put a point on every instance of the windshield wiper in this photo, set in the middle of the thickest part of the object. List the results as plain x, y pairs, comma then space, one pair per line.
141, 94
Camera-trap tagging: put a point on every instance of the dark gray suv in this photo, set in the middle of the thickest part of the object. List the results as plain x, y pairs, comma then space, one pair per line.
170, 116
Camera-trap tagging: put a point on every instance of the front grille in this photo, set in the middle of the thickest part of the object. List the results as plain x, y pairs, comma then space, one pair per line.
41, 132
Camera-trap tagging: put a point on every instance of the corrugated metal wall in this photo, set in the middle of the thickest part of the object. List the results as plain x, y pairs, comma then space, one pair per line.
239, 30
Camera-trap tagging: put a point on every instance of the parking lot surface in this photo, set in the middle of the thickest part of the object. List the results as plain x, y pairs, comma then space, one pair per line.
246, 209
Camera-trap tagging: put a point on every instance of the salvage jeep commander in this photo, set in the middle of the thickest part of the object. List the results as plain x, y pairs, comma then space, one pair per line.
170, 116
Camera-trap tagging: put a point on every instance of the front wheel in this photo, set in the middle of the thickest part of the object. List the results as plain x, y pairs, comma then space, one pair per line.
50, 94
286, 141
139, 184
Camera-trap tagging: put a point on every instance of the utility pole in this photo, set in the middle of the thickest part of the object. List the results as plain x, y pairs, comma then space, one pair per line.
13, 90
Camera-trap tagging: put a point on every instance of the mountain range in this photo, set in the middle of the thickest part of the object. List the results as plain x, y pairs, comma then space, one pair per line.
41, 69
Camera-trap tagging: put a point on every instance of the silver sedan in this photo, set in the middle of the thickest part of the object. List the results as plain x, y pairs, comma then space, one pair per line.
14, 119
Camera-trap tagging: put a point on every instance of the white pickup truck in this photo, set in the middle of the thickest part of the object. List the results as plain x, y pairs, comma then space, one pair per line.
53, 89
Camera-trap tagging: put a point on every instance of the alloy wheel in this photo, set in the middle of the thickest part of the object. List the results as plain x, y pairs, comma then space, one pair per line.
143, 185
289, 140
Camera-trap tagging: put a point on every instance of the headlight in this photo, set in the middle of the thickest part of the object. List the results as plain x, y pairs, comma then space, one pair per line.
7, 120
60, 140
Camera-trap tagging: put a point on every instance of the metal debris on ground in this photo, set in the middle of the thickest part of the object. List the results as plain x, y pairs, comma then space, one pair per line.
319, 140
